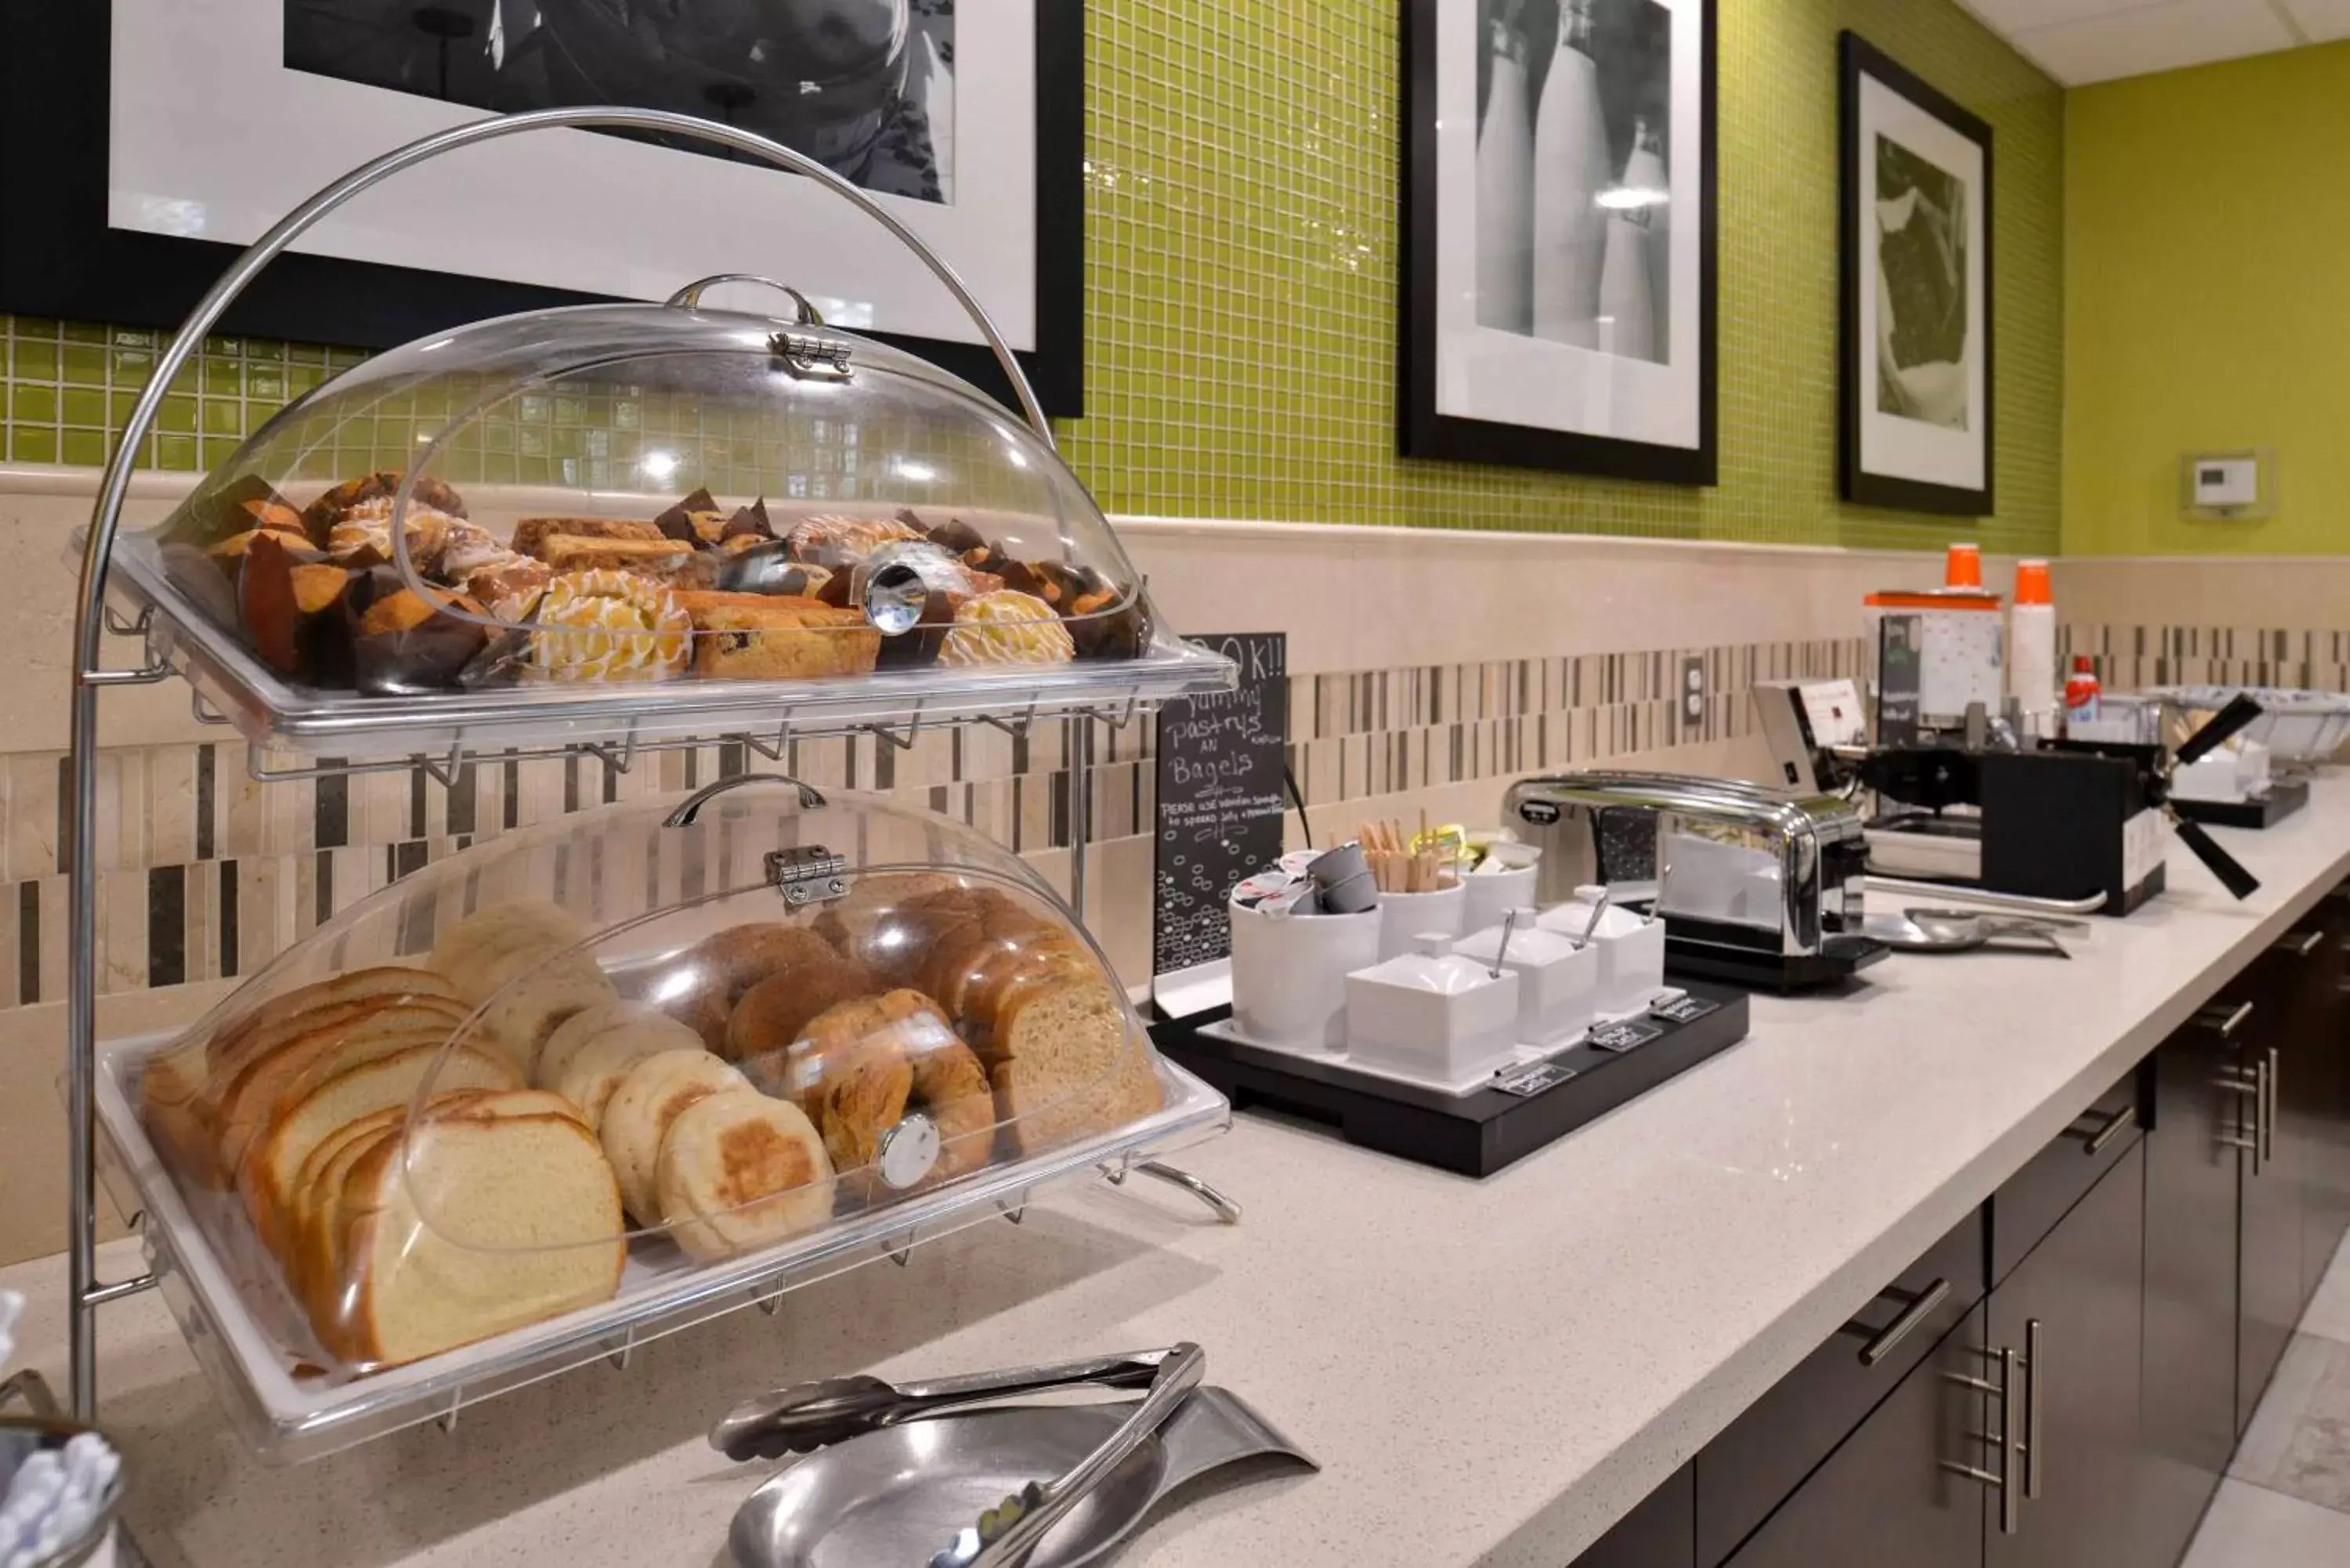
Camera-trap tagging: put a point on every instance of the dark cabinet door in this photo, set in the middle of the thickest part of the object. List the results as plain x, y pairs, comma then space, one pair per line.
1889, 1495
1659, 1533
2188, 1383
2314, 1077
2071, 1309
2268, 1280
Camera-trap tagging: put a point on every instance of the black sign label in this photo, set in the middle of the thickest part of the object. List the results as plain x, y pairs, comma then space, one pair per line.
1683, 1009
1541, 813
1528, 1081
1629, 1036
1221, 762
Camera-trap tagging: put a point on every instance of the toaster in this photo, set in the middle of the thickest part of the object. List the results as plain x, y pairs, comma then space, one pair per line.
1755, 886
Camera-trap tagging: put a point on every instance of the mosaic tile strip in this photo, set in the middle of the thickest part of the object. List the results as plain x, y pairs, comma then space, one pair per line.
205, 873
2132, 658
1240, 291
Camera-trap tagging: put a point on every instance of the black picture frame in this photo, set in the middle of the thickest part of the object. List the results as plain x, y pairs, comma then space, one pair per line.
59, 256
1422, 430
1858, 59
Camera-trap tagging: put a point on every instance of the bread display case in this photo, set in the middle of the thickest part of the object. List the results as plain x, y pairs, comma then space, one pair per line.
788, 526
599, 1079
595, 1080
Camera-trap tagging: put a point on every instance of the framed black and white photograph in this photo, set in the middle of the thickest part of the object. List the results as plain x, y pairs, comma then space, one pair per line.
1916, 343
176, 132
1559, 248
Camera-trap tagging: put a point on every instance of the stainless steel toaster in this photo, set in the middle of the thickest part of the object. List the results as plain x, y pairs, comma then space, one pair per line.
1753, 885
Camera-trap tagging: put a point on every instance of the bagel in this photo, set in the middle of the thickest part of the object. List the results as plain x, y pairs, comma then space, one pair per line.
860, 1068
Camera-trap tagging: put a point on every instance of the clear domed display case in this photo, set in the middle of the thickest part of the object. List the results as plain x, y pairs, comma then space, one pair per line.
643, 520
595, 1080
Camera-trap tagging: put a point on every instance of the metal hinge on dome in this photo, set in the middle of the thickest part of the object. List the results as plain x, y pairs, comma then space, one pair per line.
803, 354
808, 873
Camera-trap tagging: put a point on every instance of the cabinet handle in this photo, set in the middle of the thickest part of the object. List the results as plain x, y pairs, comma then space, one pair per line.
2032, 1364
2001, 1480
2269, 1104
2300, 944
2114, 1125
1902, 1327
2223, 1022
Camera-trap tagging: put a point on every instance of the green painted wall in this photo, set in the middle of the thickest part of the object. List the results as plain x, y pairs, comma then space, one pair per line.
2207, 227
1242, 275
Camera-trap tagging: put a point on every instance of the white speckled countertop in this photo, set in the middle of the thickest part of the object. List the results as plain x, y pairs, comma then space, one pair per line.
1491, 1371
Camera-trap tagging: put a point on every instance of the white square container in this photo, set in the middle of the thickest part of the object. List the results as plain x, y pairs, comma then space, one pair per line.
1631, 951
1493, 893
1433, 1016
1558, 978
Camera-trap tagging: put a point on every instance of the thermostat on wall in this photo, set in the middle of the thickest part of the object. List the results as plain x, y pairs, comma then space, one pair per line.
2229, 486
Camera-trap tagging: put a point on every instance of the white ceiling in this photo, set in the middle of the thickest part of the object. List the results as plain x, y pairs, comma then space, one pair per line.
2079, 41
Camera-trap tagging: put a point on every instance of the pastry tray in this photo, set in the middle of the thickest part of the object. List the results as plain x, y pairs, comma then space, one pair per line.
269, 711
231, 1308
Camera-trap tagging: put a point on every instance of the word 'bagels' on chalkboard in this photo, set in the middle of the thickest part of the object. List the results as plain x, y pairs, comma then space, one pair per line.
1221, 763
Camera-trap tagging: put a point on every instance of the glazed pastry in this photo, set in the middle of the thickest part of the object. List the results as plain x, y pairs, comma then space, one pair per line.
532, 535
318, 519
838, 540
608, 626
753, 636
1007, 628
860, 1068
739, 1172
512, 588
362, 536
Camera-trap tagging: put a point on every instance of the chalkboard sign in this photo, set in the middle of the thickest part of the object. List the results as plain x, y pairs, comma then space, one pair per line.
1220, 799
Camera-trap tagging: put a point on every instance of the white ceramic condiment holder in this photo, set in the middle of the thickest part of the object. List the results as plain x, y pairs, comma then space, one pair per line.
1494, 893
1558, 978
1433, 1016
1403, 915
1631, 951
1289, 975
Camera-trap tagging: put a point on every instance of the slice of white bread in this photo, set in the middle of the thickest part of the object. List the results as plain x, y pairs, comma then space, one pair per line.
576, 1034
467, 949
388, 1083
739, 1172
304, 1060
649, 1097
525, 1224
1063, 1062
390, 982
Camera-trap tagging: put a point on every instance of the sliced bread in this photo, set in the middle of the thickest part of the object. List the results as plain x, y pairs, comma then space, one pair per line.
739, 1172
648, 1098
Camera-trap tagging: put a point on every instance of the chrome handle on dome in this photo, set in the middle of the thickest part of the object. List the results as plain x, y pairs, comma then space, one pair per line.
689, 297
689, 808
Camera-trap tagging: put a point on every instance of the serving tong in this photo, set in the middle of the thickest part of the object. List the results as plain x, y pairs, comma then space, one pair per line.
806, 1416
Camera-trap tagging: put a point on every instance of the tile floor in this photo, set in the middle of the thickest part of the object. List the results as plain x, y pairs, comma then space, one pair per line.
2286, 1501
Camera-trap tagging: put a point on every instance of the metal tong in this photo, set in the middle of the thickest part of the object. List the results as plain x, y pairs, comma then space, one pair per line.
807, 1417
1006, 1534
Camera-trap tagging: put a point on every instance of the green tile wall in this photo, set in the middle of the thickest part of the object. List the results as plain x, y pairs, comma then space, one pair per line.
1241, 279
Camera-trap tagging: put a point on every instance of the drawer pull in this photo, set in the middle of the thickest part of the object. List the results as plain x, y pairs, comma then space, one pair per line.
2300, 944
2116, 1125
2222, 1022
2004, 1479
2269, 1107
2032, 1364
1902, 1327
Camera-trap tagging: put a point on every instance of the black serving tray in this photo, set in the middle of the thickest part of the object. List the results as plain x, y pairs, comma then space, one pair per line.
1781, 974
2284, 797
1474, 1134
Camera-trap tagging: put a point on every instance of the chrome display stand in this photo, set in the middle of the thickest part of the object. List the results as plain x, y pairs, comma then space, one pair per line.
160, 660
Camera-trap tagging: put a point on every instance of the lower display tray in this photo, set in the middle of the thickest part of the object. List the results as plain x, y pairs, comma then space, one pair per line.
1479, 1133
232, 1311
2284, 797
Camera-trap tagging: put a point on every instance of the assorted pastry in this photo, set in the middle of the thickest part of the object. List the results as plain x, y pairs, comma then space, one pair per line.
319, 594
436, 1154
